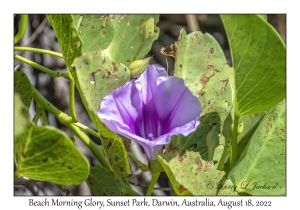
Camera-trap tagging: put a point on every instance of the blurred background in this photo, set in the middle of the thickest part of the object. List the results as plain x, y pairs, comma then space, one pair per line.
40, 34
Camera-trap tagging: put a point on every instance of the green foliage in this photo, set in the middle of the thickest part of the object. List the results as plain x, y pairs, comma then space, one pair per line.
89, 83
191, 175
22, 86
21, 120
101, 182
103, 52
96, 31
263, 161
259, 60
200, 61
22, 30
127, 44
99, 72
250, 124
264, 16
97, 76
47, 154
212, 141
67, 35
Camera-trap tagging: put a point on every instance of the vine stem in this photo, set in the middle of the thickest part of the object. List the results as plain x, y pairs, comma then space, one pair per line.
152, 183
44, 116
52, 73
72, 99
61, 116
37, 50
95, 149
233, 151
37, 115
67, 121
156, 169
22, 30
90, 131
139, 164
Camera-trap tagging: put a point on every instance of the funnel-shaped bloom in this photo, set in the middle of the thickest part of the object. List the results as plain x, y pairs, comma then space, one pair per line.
151, 109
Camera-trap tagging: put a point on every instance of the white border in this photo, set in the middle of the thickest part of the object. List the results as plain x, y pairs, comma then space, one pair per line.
8, 201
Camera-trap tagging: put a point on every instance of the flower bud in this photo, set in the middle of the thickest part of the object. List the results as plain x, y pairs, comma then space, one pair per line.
138, 67
227, 127
147, 29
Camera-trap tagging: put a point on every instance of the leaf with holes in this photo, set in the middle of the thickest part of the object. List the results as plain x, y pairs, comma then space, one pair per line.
91, 95
102, 183
21, 119
191, 175
96, 77
67, 36
200, 61
261, 169
96, 31
47, 154
127, 45
259, 60
22, 86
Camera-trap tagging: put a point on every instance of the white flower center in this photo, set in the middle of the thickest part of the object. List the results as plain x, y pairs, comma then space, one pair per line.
151, 136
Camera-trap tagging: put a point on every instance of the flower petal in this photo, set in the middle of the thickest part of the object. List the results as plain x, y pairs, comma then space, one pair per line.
116, 110
151, 109
147, 82
176, 105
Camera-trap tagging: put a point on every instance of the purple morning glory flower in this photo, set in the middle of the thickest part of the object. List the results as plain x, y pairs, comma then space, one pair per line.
151, 109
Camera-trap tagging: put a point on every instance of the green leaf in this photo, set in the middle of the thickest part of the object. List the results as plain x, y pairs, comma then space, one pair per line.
47, 154
71, 46
200, 61
264, 16
195, 55
101, 182
250, 123
191, 175
212, 141
21, 120
96, 31
67, 36
22, 86
96, 77
259, 60
127, 44
263, 162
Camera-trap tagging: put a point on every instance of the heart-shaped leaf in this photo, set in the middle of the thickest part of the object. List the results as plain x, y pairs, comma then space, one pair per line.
47, 154
259, 61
